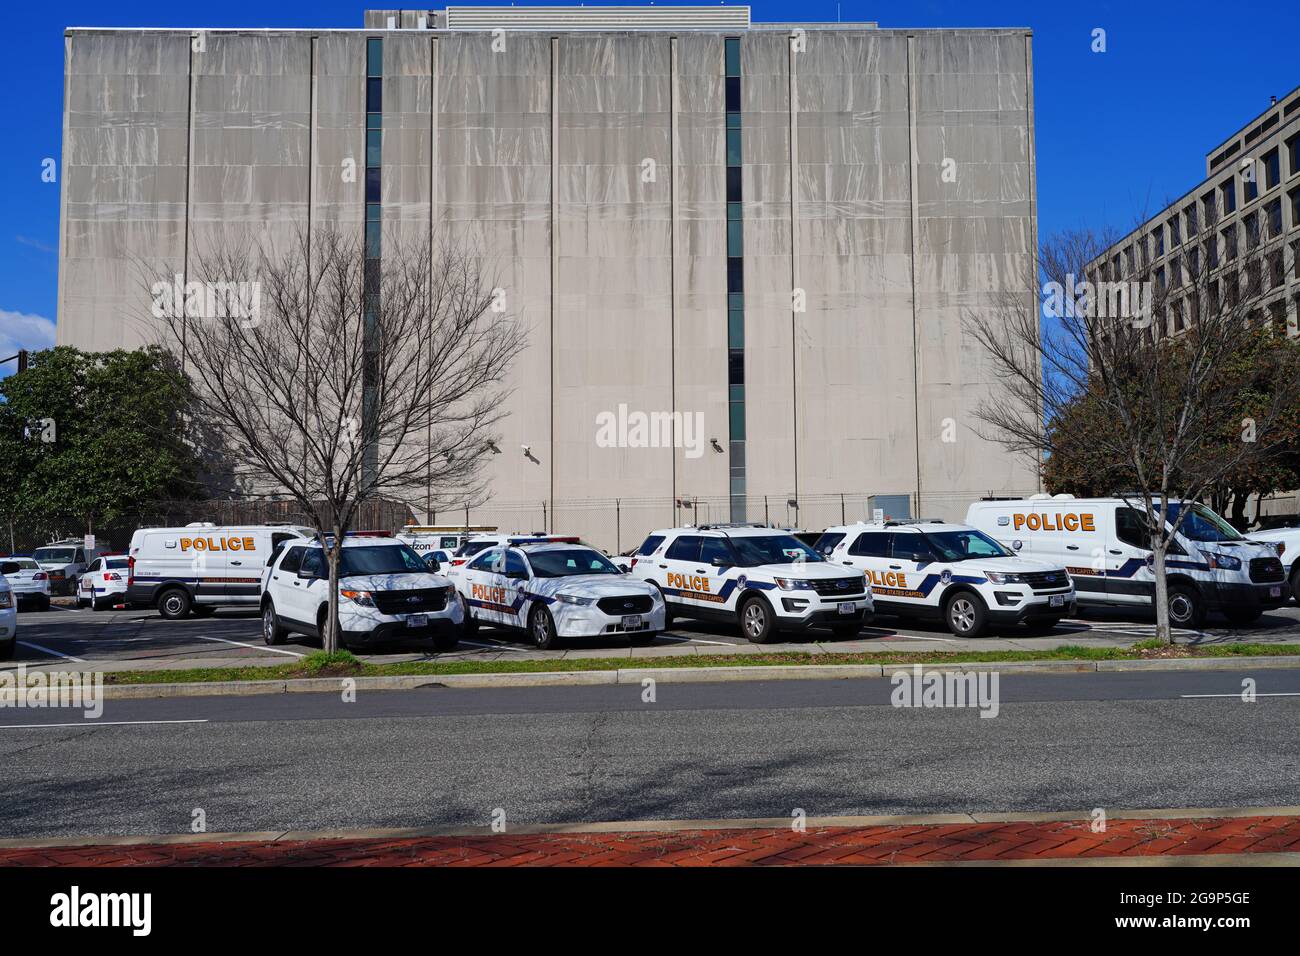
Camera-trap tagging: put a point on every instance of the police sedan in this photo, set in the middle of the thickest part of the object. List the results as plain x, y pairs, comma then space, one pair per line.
556, 589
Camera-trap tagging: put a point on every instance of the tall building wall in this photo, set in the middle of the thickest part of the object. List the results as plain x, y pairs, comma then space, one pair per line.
588, 171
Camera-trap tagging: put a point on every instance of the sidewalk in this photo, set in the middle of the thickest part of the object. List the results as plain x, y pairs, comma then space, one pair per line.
1223, 840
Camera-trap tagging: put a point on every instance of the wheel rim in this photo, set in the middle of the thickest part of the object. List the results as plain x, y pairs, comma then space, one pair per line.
172, 604
540, 630
1180, 609
962, 614
755, 620
268, 624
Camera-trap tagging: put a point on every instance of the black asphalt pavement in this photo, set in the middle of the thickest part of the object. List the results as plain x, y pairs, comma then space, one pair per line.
454, 757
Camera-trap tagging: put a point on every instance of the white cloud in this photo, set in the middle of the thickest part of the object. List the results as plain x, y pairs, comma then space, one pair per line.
19, 330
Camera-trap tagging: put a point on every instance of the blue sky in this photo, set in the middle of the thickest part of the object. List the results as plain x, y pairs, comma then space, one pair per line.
1118, 132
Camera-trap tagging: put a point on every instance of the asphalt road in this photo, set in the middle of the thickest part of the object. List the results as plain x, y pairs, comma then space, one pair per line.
92, 636
453, 757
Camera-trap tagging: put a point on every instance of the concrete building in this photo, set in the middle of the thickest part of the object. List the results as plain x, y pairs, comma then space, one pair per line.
773, 229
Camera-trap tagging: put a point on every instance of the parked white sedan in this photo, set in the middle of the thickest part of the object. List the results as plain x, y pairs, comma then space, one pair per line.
29, 581
104, 583
557, 589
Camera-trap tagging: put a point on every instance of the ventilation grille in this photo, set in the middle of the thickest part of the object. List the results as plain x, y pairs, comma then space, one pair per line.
598, 18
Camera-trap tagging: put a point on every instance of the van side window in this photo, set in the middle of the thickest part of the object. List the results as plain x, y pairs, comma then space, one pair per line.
872, 544
1131, 528
293, 560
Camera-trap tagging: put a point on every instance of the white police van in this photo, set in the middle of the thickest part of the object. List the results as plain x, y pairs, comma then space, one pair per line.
934, 570
1105, 544
202, 566
556, 589
765, 580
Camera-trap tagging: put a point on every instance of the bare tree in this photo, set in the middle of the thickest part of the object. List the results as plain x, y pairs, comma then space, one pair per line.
334, 379
1144, 329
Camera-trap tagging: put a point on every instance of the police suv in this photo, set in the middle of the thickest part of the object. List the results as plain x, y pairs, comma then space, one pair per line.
386, 592
556, 588
764, 579
934, 570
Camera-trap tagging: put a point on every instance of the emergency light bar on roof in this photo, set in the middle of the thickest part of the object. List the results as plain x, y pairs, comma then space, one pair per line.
598, 18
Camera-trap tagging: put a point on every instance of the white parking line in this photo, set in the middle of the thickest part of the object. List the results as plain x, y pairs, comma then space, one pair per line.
256, 647
103, 723
493, 647
46, 650
1238, 696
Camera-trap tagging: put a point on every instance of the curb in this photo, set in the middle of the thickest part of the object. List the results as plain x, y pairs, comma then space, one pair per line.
653, 826
674, 675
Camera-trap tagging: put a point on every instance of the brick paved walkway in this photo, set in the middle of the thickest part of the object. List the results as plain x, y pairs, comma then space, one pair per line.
762, 847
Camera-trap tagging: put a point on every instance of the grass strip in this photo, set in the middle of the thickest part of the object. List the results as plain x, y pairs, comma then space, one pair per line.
344, 664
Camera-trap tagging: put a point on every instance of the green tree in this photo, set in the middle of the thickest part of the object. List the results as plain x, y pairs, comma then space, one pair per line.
88, 438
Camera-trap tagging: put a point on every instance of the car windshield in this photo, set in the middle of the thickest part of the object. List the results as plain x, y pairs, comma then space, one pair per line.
54, 554
559, 564
1202, 524
960, 545
751, 551
380, 559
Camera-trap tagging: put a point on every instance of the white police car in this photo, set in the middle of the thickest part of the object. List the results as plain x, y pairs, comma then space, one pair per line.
764, 579
556, 589
385, 593
950, 572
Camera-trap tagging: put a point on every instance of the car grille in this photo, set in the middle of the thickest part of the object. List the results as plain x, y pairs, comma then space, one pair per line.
415, 601
1266, 570
628, 604
1046, 580
837, 587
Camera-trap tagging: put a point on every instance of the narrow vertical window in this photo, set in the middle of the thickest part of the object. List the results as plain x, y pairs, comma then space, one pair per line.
734, 162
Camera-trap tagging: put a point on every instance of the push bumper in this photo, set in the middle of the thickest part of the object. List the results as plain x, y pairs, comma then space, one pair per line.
1017, 605
1262, 597
797, 613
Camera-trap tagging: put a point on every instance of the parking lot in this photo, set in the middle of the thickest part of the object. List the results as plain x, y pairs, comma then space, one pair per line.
141, 639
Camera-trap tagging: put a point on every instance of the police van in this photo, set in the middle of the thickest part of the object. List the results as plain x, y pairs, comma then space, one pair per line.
1105, 545
764, 579
202, 566
934, 570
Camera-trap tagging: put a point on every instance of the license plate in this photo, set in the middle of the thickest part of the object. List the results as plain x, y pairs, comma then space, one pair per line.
848, 608
417, 620
632, 622
1275, 592
1056, 600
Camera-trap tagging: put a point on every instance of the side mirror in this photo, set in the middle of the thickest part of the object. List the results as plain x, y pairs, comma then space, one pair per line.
431, 562
720, 563
922, 557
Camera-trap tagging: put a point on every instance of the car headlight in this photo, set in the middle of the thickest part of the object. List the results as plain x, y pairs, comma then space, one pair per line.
361, 598
575, 599
1222, 562
793, 584
6, 599
999, 577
